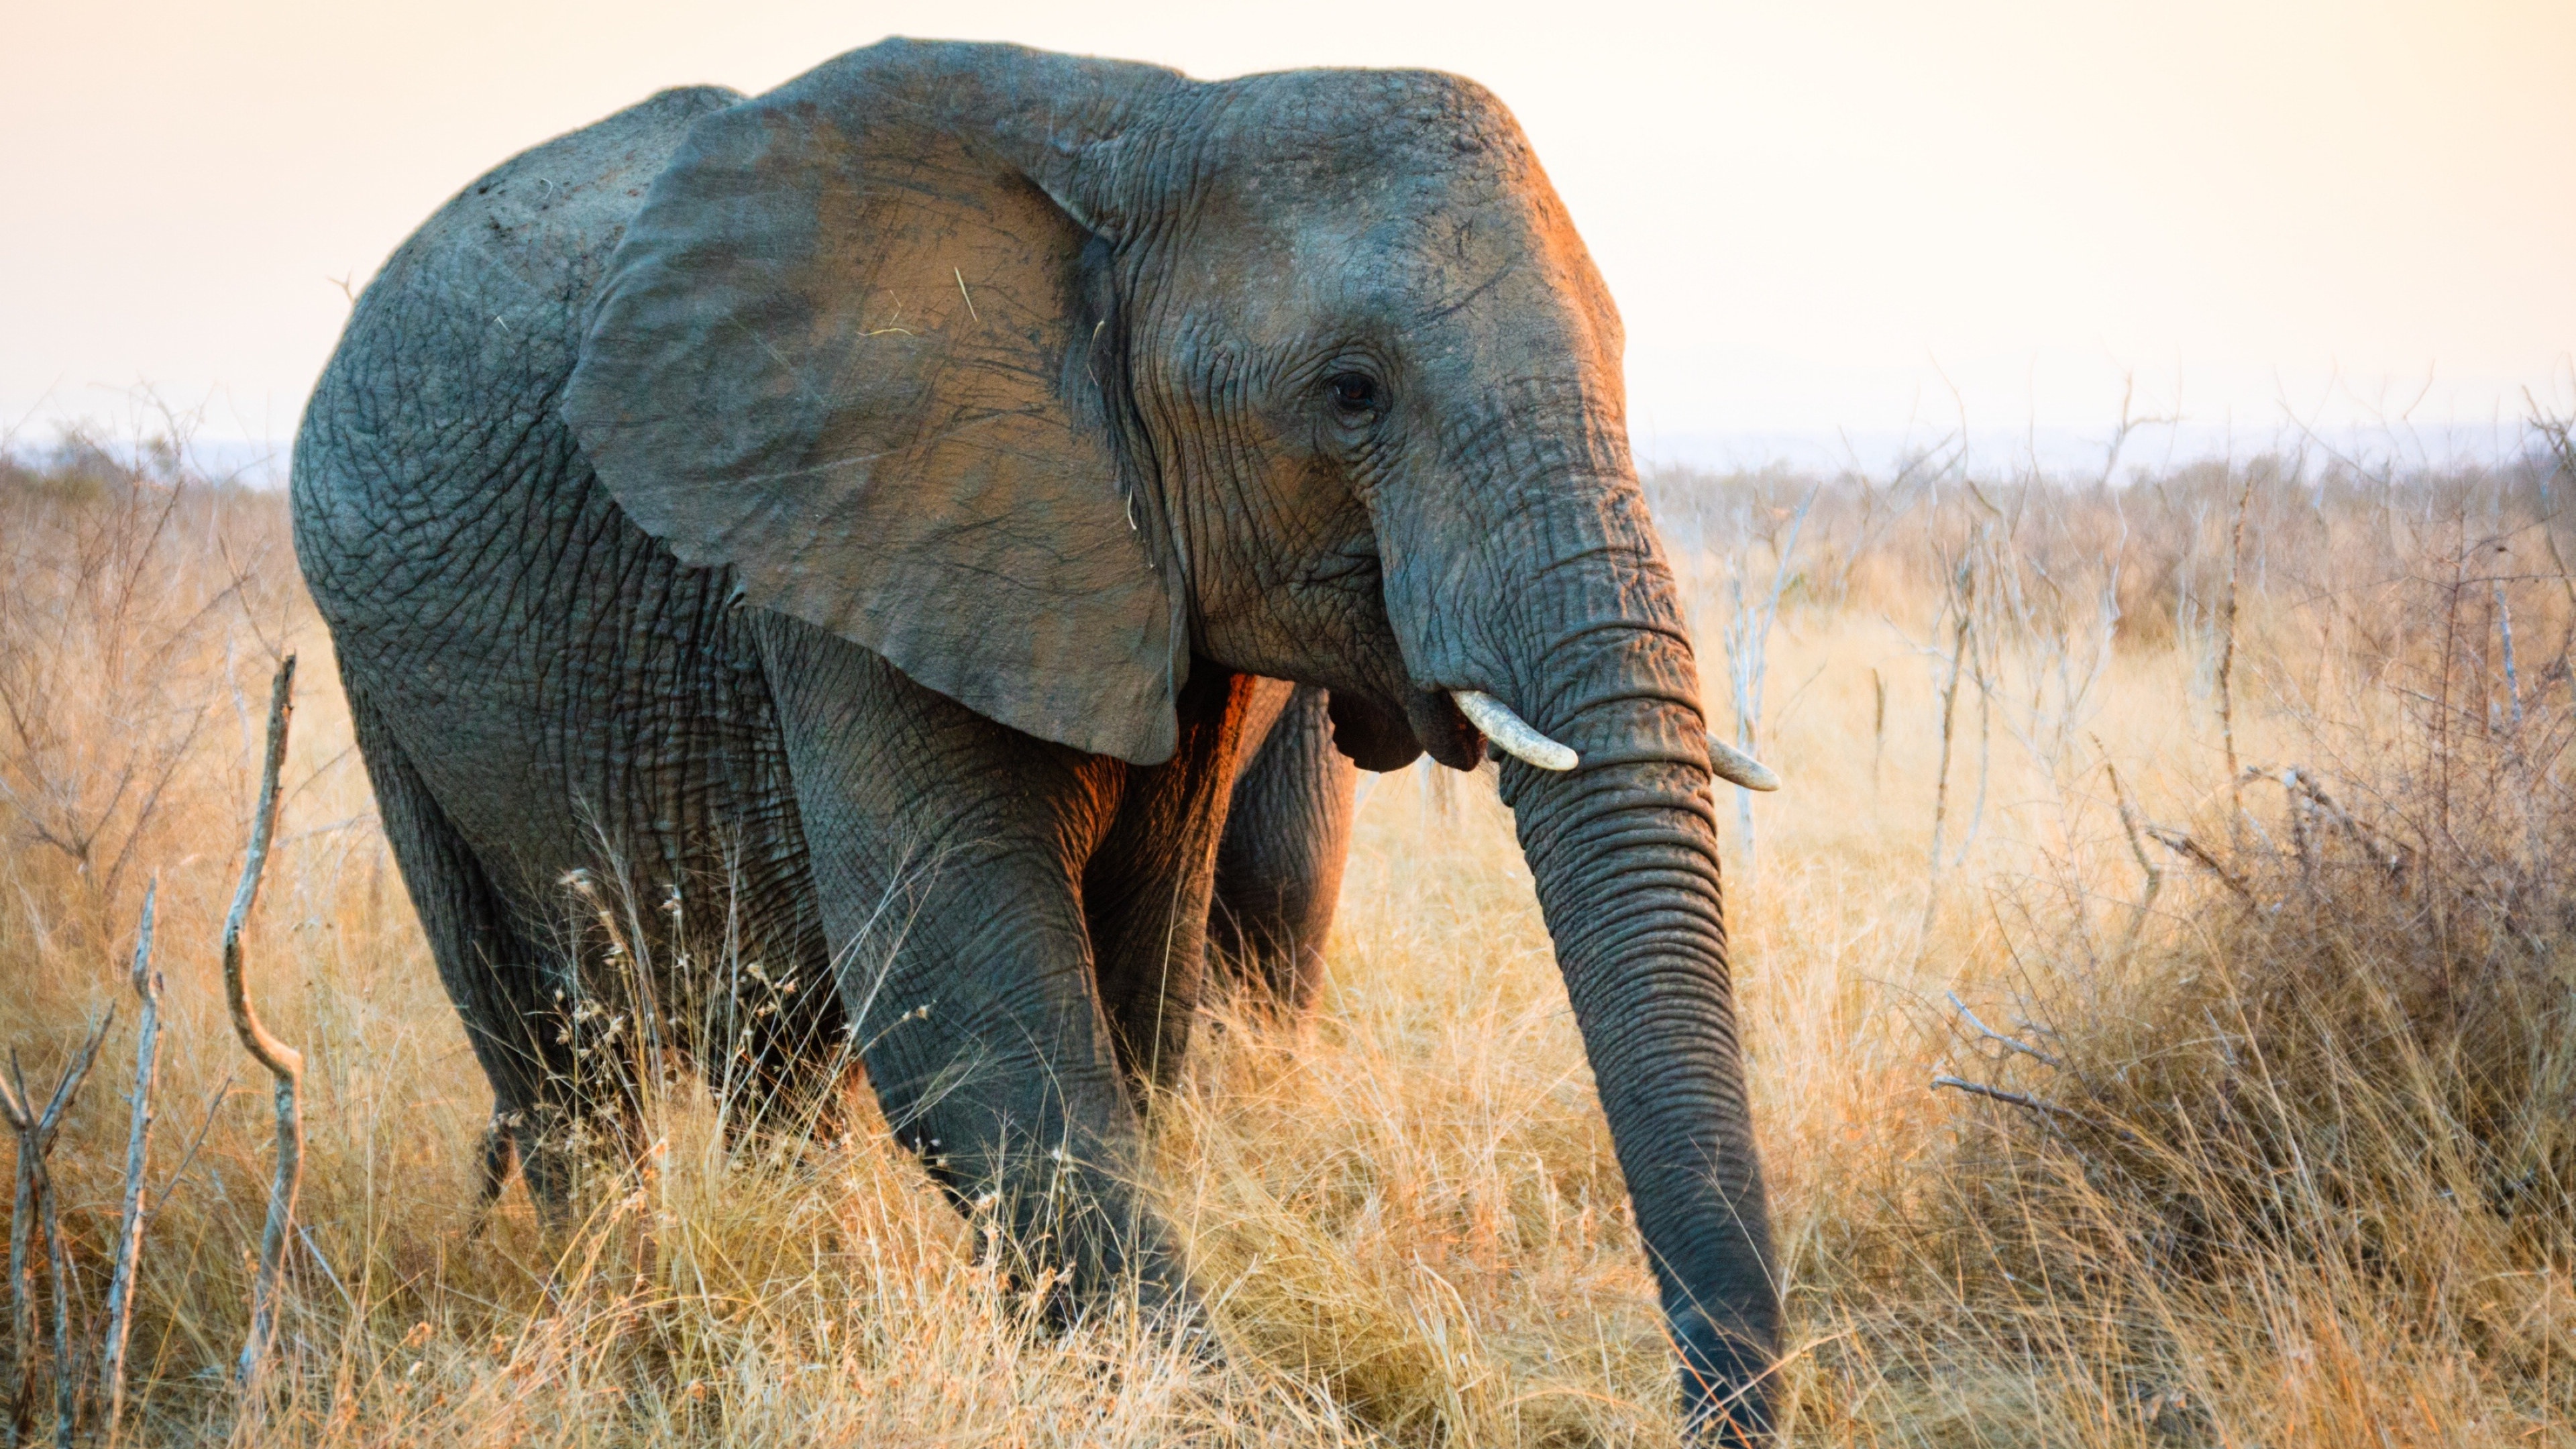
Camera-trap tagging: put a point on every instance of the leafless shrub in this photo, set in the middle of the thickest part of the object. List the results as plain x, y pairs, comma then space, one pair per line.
1753, 611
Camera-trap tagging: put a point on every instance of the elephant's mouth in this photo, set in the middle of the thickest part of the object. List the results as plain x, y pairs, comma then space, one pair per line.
1463, 722
1382, 720
1446, 734
1382, 735
1452, 725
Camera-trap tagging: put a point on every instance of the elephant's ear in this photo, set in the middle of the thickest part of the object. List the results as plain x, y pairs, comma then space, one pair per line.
847, 349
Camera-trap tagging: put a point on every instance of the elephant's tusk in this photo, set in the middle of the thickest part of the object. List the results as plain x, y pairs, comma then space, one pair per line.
1510, 733
1736, 767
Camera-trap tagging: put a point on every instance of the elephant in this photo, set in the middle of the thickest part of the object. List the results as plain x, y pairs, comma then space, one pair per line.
970, 510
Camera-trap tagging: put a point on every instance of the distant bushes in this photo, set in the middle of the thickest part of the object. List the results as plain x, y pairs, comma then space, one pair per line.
141, 599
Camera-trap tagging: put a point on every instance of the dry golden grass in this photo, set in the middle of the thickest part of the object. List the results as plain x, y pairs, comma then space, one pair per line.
2295, 1168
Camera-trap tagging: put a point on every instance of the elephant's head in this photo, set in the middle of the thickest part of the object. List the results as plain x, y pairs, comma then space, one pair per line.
1045, 376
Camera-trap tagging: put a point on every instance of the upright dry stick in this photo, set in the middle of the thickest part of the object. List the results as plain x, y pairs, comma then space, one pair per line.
2227, 666
129, 1235
2133, 824
58, 1259
284, 1062
1877, 732
2512, 676
36, 1199
22, 1306
1963, 589
1748, 645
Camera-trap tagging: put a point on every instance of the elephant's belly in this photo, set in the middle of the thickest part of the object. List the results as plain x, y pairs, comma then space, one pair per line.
583, 702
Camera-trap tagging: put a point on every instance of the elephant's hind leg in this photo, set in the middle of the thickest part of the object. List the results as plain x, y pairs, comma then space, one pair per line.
779, 1055
500, 1158
501, 981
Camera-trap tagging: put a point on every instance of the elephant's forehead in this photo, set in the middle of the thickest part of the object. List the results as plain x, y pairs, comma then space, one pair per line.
1408, 193
1405, 248
1348, 255
1394, 224
1370, 130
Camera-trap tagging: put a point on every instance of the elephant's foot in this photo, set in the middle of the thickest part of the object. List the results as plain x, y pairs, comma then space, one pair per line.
566, 1158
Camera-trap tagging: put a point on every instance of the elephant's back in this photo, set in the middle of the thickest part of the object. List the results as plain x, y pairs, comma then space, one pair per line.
546, 667
440, 404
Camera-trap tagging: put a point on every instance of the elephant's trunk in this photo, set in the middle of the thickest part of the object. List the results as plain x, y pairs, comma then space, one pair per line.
1577, 632
1624, 853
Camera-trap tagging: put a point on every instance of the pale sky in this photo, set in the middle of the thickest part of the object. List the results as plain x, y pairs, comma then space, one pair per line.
1814, 216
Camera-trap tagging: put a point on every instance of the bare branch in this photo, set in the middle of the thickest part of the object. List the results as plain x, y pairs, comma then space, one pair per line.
35, 1203
22, 1218
188, 1159
2029, 1103
1962, 596
2192, 850
2301, 783
2227, 664
1990, 1034
2132, 824
284, 1063
129, 1236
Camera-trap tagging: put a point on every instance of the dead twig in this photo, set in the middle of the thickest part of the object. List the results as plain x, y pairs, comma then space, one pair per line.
187, 1159
2227, 664
1877, 731
2302, 785
2130, 422
129, 1235
1748, 642
35, 1199
1990, 1034
2029, 1103
284, 1063
1962, 601
22, 1312
2192, 850
2132, 823
2301, 813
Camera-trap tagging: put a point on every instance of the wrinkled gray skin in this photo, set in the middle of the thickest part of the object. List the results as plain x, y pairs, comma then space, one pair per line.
892, 507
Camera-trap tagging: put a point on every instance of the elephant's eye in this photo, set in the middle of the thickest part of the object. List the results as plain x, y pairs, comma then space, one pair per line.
1354, 393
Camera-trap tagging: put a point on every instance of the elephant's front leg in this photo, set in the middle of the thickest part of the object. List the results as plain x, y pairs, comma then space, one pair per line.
947, 853
1279, 866
1146, 889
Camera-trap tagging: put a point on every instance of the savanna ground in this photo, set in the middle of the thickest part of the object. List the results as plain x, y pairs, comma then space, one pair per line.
2256, 838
